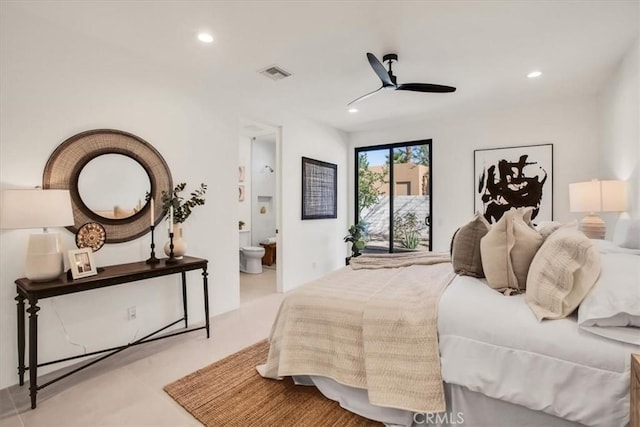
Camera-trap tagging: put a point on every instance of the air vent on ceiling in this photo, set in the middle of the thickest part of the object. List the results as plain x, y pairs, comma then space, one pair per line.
275, 73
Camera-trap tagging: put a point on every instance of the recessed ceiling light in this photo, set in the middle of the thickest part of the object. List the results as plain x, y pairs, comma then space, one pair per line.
353, 110
205, 37
534, 74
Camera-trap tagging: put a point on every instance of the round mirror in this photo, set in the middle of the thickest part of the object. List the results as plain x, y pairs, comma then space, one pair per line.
114, 186
108, 173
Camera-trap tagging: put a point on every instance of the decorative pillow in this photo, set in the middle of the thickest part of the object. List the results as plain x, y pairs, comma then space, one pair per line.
561, 274
546, 228
508, 248
465, 247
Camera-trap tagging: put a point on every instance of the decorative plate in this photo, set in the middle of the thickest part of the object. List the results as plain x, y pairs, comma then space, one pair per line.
91, 235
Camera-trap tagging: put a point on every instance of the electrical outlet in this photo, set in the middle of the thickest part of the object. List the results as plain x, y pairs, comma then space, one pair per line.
132, 313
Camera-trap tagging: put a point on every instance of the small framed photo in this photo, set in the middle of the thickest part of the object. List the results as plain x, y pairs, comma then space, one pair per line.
241, 193
240, 173
82, 263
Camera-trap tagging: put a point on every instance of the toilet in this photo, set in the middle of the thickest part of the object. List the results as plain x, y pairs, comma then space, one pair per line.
250, 256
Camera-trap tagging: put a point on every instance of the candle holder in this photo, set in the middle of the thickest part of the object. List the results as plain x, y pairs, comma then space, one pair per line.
172, 259
152, 259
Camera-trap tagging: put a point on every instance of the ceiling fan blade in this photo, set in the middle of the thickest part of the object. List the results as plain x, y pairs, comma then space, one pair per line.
380, 70
426, 87
365, 96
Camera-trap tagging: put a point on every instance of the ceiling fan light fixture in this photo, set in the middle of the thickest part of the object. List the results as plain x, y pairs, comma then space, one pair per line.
205, 37
534, 74
389, 80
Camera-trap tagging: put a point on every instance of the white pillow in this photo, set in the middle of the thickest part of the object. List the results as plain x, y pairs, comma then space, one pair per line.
627, 233
608, 247
614, 301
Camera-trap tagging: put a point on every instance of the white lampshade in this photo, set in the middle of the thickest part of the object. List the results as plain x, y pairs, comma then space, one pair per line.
585, 196
597, 196
614, 196
37, 208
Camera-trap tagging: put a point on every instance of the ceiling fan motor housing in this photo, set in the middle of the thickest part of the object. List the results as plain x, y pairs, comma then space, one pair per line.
390, 57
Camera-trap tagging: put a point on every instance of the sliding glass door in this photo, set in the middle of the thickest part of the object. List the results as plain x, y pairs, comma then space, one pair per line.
393, 196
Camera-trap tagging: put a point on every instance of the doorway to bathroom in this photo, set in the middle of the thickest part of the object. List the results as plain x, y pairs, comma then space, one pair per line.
258, 210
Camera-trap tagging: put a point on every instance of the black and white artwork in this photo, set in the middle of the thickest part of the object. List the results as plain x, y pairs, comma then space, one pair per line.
514, 177
319, 189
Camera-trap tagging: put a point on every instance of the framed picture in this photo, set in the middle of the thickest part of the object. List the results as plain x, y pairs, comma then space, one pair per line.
319, 189
241, 193
240, 173
514, 177
82, 263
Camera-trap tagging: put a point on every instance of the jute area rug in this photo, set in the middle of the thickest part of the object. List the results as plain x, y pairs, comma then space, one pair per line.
230, 392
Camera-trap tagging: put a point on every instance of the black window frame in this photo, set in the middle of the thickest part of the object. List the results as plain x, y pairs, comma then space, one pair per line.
391, 147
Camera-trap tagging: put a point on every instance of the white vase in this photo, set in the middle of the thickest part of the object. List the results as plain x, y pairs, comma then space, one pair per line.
179, 245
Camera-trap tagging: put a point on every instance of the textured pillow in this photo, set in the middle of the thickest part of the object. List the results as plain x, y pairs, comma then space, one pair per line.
561, 274
465, 247
507, 250
545, 228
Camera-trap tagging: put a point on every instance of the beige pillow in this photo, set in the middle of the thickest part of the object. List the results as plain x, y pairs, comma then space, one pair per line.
563, 271
465, 247
508, 248
546, 228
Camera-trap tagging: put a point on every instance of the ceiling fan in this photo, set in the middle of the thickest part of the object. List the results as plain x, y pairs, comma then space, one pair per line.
389, 81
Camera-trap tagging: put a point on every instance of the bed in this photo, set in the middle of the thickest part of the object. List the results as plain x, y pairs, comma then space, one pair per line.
500, 366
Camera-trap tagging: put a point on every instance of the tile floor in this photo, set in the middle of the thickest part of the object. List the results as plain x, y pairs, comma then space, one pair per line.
253, 286
126, 390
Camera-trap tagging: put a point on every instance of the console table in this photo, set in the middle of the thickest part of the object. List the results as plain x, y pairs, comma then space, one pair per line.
107, 276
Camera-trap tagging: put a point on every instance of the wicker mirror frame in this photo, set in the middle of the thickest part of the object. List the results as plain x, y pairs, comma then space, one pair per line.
67, 161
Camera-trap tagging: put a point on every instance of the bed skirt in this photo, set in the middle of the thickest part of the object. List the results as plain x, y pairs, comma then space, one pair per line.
464, 407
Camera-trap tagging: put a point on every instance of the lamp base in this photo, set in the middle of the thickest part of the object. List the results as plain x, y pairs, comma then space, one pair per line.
44, 257
593, 226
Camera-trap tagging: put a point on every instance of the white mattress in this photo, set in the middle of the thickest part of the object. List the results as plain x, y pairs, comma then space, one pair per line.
493, 344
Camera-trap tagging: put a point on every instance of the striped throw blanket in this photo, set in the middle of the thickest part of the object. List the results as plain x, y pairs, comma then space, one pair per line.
370, 328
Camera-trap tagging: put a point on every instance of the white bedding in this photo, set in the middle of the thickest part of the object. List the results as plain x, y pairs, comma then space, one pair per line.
493, 344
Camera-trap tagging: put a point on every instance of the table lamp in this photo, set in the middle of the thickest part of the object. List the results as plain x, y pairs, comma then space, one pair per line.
597, 196
38, 208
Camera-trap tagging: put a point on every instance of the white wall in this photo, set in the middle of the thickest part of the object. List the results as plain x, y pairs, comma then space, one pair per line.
55, 85
310, 248
570, 126
620, 130
244, 207
263, 153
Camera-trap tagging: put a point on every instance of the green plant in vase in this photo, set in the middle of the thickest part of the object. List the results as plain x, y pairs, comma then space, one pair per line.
177, 209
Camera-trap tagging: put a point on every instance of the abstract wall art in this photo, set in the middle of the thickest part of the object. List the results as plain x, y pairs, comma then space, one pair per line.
514, 177
319, 189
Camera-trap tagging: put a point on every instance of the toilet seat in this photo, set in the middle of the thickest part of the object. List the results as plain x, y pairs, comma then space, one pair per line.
252, 249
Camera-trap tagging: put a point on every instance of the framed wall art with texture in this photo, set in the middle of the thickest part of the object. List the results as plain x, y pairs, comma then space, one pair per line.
514, 177
319, 189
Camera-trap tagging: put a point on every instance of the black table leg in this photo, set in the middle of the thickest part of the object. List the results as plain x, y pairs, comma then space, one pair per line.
205, 284
184, 299
21, 338
33, 349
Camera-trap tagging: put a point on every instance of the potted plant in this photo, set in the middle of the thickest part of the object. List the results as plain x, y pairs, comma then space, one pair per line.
182, 209
356, 238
